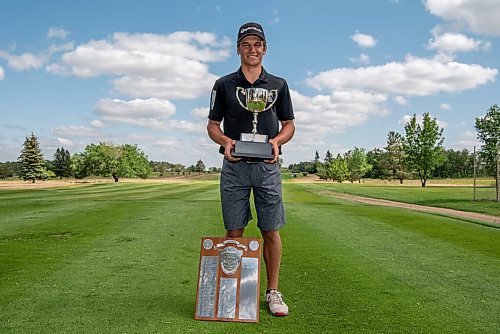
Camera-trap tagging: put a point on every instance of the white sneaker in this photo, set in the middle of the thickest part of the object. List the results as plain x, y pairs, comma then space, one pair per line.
275, 303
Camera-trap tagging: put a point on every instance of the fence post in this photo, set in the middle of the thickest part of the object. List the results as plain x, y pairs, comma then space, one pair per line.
498, 171
474, 193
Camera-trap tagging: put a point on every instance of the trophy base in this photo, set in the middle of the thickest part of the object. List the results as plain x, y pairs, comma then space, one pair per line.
253, 150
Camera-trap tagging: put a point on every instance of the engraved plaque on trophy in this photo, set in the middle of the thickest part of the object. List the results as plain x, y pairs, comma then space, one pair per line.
255, 145
229, 279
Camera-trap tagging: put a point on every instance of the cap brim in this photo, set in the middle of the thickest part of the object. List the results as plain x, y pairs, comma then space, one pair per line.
251, 35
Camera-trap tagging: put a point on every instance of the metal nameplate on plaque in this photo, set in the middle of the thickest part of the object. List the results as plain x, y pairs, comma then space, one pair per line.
229, 279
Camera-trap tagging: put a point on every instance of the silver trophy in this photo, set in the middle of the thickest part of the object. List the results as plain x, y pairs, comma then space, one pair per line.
254, 145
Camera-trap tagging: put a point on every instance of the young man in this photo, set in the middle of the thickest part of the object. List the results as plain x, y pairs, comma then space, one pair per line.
239, 176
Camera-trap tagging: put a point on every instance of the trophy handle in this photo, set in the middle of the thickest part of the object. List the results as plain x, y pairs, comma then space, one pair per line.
238, 97
273, 96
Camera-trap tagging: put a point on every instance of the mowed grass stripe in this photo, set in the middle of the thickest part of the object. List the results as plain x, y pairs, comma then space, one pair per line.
85, 191
34, 207
462, 233
131, 266
375, 277
139, 255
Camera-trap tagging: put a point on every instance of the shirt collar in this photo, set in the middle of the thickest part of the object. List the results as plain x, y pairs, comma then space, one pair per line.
262, 76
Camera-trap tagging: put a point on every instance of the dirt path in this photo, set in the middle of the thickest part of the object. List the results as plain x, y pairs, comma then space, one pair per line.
422, 208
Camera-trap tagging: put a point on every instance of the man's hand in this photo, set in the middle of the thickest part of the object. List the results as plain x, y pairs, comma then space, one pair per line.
228, 148
285, 134
215, 133
276, 152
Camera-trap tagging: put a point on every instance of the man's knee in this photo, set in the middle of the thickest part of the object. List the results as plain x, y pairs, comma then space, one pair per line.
271, 236
235, 233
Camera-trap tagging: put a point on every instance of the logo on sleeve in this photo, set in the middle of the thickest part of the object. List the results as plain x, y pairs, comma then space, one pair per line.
212, 99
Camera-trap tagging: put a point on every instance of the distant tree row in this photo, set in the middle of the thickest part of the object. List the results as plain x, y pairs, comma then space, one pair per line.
164, 168
416, 153
102, 160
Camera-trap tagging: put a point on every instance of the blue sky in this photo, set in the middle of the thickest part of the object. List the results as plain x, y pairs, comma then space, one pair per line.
141, 72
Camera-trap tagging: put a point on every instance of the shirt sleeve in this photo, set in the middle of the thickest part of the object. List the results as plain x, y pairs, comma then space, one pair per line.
284, 108
217, 108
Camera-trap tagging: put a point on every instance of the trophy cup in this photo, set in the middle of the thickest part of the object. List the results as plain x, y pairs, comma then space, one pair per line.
254, 145
229, 279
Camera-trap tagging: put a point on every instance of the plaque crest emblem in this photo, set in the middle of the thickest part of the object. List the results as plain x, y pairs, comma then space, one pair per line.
230, 258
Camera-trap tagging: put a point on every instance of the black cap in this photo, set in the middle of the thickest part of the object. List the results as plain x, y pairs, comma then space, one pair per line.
251, 28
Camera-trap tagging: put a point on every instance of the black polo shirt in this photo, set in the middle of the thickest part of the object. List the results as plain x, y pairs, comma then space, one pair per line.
224, 105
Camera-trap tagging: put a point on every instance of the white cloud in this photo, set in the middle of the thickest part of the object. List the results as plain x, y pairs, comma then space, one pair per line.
97, 123
363, 40
466, 140
187, 126
150, 113
322, 115
445, 106
54, 48
28, 61
154, 141
401, 100
453, 42
57, 32
25, 61
170, 66
362, 59
76, 131
201, 113
66, 142
407, 118
414, 77
2, 73
479, 16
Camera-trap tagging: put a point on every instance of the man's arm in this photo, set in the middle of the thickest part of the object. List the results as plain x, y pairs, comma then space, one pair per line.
215, 133
286, 133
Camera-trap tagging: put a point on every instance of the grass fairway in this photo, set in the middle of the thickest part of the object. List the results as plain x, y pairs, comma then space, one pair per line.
123, 258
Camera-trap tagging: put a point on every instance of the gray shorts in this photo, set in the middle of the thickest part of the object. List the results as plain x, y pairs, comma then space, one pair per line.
237, 180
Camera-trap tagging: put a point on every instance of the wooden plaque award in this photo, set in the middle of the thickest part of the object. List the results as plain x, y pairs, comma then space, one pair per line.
229, 279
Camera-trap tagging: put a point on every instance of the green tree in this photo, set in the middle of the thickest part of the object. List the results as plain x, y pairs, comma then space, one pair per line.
78, 165
6, 170
316, 163
31, 159
200, 166
357, 164
323, 172
488, 132
62, 163
377, 158
395, 162
304, 167
457, 164
108, 160
132, 162
328, 157
423, 146
338, 169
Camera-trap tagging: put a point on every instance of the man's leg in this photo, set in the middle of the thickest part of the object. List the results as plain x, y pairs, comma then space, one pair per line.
272, 257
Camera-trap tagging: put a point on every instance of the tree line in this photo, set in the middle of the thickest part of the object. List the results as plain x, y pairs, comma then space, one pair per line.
100, 160
418, 153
